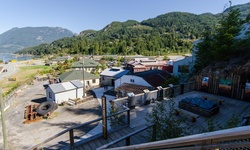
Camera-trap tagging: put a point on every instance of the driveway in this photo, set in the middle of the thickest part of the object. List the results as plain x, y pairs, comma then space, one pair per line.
23, 136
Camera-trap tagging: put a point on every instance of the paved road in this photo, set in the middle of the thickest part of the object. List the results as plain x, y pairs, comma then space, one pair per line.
11, 69
23, 136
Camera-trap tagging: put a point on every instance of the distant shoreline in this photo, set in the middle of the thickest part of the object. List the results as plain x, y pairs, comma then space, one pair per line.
10, 56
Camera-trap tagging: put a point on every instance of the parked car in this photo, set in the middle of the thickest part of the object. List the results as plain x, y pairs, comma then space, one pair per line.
5, 70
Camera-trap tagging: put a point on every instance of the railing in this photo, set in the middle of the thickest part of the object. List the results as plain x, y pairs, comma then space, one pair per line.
71, 129
10, 98
127, 137
121, 103
233, 138
167, 92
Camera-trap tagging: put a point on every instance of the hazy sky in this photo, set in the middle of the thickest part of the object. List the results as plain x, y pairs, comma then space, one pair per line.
79, 15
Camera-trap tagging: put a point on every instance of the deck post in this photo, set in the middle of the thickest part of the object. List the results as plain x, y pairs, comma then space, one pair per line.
154, 133
182, 89
128, 114
127, 141
104, 118
71, 139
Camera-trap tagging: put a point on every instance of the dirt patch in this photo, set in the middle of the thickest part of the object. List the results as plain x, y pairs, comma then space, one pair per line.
34, 133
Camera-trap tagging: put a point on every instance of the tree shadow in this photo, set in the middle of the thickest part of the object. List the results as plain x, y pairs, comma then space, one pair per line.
78, 133
85, 111
92, 93
59, 145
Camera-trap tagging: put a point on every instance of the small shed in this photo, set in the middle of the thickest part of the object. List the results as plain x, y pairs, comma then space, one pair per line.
62, 92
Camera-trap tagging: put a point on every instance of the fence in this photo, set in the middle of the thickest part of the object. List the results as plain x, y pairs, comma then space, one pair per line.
10, 98
159, 94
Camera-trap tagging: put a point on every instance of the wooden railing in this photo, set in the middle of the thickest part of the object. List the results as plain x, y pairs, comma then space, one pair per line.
167, 92
127, 137
71, 129
233, 138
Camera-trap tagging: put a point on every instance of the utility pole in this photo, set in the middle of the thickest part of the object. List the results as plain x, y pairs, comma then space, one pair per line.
3, 121
83, 75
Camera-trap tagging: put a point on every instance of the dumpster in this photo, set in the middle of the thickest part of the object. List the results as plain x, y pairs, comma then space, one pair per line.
131, 100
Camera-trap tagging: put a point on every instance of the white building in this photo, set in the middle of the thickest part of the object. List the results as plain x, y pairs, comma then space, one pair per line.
131, 79
90, 80
109, 75
184, 65
140, 81
62, 92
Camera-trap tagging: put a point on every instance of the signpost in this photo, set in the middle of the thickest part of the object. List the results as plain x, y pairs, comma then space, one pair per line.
104, 118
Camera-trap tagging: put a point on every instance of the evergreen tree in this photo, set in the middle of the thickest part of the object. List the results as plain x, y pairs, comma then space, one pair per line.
166, 124
224, 38
221, 44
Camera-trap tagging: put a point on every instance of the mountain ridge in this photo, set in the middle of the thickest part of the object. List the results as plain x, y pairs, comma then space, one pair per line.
18, 38
172, 32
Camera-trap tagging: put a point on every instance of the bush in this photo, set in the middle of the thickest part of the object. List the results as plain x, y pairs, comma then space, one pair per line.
166, 124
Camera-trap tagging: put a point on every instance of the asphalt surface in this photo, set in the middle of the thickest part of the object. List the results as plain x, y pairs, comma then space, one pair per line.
23, 136
11, 69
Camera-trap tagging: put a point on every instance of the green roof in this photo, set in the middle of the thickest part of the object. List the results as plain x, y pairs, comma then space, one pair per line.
88, 63
63, 58
76, 75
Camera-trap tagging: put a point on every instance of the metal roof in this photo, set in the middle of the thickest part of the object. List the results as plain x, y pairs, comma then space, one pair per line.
154, 77
135, 88
116, 72
77, 83
88, 63
61, 87
76, 75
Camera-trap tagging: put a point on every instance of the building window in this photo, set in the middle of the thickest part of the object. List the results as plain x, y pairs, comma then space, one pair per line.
183, 69
50, 95
93, 81
132, 80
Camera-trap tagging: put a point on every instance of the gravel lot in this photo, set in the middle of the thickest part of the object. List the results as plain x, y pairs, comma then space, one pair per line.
23, 136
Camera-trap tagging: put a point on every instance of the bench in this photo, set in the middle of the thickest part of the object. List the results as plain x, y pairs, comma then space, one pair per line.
188, 114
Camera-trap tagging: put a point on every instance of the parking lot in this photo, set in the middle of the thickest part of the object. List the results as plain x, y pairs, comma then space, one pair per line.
24, 136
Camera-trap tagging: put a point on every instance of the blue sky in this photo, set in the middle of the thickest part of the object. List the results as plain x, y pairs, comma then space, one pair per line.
79, 15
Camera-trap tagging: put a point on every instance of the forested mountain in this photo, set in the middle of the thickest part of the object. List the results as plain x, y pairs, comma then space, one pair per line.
18, 38
244, 9
168, 33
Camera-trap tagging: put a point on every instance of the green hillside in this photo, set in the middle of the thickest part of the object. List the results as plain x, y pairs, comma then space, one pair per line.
168, 33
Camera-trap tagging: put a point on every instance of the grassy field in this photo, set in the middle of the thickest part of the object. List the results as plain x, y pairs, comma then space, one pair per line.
24, 75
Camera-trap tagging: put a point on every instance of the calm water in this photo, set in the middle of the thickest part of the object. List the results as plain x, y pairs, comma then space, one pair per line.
7, 57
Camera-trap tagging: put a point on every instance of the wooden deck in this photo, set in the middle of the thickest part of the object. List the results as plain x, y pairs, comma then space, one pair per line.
95, 143
228, 108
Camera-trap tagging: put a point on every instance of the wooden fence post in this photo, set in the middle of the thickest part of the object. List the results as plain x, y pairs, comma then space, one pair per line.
71, 139
127, 141
154, 133
128, 114
3, 121
104, 118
